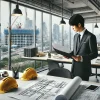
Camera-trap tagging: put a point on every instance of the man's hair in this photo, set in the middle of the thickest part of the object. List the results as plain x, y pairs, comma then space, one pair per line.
76, 19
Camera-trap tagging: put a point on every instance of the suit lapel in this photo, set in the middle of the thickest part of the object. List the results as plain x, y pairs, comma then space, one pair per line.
82, 40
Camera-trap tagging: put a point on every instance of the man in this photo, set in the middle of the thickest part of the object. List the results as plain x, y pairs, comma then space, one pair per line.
84, 50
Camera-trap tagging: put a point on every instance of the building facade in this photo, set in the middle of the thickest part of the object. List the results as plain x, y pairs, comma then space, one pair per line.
21, 37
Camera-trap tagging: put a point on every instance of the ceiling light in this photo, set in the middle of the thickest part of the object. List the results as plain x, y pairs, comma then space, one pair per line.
17, 11
96, 26
62, 22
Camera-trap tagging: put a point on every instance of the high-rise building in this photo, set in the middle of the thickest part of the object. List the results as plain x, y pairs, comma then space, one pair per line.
21, 37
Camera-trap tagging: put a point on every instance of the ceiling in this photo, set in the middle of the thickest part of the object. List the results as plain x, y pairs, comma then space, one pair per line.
89, 9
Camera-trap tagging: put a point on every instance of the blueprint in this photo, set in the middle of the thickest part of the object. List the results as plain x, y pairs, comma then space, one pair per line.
51, 89
43, 90
84, 94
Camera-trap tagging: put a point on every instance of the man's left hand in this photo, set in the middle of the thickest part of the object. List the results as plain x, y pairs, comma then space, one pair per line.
77, 58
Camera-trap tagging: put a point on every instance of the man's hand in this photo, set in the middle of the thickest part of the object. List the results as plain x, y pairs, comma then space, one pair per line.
77, 58
66, 57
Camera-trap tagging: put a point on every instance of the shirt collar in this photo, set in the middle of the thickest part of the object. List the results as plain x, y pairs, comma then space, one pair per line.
81, 33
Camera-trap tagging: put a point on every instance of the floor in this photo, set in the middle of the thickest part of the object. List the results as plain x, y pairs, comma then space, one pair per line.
91, 79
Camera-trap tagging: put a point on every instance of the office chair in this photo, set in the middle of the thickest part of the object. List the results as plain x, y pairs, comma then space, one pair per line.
60, 72
53, 65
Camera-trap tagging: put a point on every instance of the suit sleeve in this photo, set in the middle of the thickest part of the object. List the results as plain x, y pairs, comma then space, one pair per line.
72, 52
93, 49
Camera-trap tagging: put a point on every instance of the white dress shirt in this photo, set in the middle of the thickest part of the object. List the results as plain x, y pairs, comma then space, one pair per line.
81, 33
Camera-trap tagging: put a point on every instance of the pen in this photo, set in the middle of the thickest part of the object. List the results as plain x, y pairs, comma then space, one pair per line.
14, 98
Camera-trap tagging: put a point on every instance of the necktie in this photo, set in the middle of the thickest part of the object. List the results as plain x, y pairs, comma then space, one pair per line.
78, 41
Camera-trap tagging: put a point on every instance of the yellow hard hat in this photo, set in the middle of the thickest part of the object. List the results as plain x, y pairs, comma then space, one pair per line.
7, 84
29, 74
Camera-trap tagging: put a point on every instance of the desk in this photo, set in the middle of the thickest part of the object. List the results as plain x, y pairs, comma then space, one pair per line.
53, 61
95, 65
61, 59
57, 58
24, 84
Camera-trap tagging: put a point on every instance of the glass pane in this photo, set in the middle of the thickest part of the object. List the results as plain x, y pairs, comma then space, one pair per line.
0, 30
56, 30
38, 27
22, 37
89, 27
66, 35
46, 39
97, 33
4, 25
18, 22
72, 37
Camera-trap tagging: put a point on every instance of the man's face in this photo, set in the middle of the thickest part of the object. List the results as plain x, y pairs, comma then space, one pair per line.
76, 28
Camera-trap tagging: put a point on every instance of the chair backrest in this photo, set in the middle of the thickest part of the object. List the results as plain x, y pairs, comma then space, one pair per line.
52, 65
60, 72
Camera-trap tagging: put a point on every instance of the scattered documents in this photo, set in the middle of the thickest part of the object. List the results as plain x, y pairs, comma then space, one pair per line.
98, 60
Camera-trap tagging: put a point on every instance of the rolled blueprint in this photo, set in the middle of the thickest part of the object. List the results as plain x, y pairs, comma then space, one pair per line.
69, 90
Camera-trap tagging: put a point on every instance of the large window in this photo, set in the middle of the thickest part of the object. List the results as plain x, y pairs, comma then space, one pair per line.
31, 29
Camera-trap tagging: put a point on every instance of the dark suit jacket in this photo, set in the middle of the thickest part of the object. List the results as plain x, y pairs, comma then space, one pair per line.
88, 50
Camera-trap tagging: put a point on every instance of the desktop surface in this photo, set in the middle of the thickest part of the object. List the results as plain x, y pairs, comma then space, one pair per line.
22, 85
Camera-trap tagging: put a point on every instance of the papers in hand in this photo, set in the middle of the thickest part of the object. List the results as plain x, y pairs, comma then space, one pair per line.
62, 50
